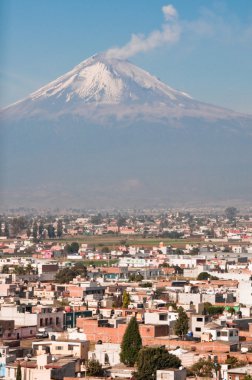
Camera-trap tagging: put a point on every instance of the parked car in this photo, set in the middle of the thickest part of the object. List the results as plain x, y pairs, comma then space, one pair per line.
43, 334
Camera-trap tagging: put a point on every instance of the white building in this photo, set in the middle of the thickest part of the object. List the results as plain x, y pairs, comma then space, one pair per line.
43, 316
106, 353
245, 292
212, 331
160, 317
198, 322
171, 374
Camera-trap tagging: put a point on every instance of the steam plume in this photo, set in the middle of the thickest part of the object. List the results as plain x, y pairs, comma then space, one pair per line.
169, 33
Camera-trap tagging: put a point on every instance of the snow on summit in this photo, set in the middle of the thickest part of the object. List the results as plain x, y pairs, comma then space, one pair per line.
116, 89
104, 80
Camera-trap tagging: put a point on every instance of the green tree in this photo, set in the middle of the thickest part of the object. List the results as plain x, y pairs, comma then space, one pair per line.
29, 269
212, 310
51, 231
74, 247
146, 285
94, 368
234, 362
159, 292
80, 269
5, 269
231, 213
136, 277
131, 343
6, 230
181, 325
65, 275
121, 221
203, 368
18, 225
41, 228
19, 270
117, 300
150, 359
105, 250
59, 229
247, 377
231, 310
96, 219
126, 299
35, 231
19, 373
203, 276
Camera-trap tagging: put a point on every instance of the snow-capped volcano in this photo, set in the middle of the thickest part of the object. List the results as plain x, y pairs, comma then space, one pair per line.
105, 80
118, 90
109, 133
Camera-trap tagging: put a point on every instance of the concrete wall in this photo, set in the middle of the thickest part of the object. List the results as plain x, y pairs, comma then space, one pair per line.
106, 351
115, 335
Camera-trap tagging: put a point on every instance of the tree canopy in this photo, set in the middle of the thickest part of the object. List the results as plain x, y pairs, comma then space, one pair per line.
59, 228
150, 359
206, 276
247, 377
181, 325
72, 248
234, 362
19, 373
94, 368
231, 213
203, 368
131, 343
126, 299
67, 274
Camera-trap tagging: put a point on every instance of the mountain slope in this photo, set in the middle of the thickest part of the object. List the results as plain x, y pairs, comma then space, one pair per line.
107, 133
115, 88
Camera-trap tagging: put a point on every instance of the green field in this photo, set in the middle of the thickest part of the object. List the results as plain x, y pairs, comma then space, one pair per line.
114, 241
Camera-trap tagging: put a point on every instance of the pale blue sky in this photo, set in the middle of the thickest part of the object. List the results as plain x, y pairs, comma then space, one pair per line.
211, 58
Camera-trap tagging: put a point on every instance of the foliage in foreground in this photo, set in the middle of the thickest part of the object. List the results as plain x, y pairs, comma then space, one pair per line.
213, 310
19, 373
234, 362
131, 343
125, 299
94, 368
204, 368
67, 274
205, 276
150, 359
181, 325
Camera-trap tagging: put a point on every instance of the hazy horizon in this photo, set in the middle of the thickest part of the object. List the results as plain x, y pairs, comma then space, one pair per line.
112, 134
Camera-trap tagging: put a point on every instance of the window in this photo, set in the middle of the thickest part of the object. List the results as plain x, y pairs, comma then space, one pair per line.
162, 317
70, 347
199, 319
58, 348
198, 329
